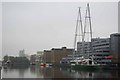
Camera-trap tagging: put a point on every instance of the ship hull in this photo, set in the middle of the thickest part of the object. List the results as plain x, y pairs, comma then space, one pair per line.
86, 67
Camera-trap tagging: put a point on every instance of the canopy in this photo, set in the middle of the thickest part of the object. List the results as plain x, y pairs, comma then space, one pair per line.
108, 56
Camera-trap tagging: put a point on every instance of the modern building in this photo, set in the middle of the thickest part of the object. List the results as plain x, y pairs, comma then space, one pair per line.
55, 55
98, 47
115, 47
101, 45
101, 48
83, 48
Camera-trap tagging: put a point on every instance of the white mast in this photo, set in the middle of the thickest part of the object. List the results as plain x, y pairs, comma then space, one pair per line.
87, 28
78, 31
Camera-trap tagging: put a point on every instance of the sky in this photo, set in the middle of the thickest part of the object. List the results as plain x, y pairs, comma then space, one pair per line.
119, 17
37, 26
0, 30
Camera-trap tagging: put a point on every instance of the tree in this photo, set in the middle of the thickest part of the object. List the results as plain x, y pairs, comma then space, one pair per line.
5, 58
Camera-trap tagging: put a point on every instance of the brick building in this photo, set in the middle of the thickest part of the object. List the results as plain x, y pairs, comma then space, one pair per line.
47, 56
56, 54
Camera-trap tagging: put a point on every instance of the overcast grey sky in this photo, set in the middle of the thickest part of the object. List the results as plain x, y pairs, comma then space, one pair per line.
37, 26
0, 30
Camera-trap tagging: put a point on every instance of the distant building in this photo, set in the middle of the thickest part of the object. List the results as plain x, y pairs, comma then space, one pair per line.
36, 58
33, 59
55, 55
22, 53
39, 56
47, 57
115, 47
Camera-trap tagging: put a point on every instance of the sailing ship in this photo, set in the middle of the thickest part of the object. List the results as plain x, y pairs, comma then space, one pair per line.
84, 60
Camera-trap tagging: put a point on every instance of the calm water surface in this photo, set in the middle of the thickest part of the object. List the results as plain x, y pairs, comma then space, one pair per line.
55, 72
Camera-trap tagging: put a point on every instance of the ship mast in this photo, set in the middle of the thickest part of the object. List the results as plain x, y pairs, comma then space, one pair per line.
78, 31
87, 29
82, 35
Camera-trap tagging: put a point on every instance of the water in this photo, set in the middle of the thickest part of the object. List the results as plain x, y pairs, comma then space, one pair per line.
55, 72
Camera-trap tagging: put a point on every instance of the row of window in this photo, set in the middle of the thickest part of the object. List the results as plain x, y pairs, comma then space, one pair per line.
97, 45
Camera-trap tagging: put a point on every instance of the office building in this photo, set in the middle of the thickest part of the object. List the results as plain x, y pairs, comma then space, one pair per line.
83, 48
98, 47
101, 45
101, 48
115, 47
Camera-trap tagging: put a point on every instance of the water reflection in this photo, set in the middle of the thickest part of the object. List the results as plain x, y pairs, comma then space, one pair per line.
55, 72
90, 74
36, 70
48, 72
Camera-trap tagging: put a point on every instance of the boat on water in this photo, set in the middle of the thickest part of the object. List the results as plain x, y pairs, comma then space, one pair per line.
87, 67
46, 64
85, 62
43, 64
